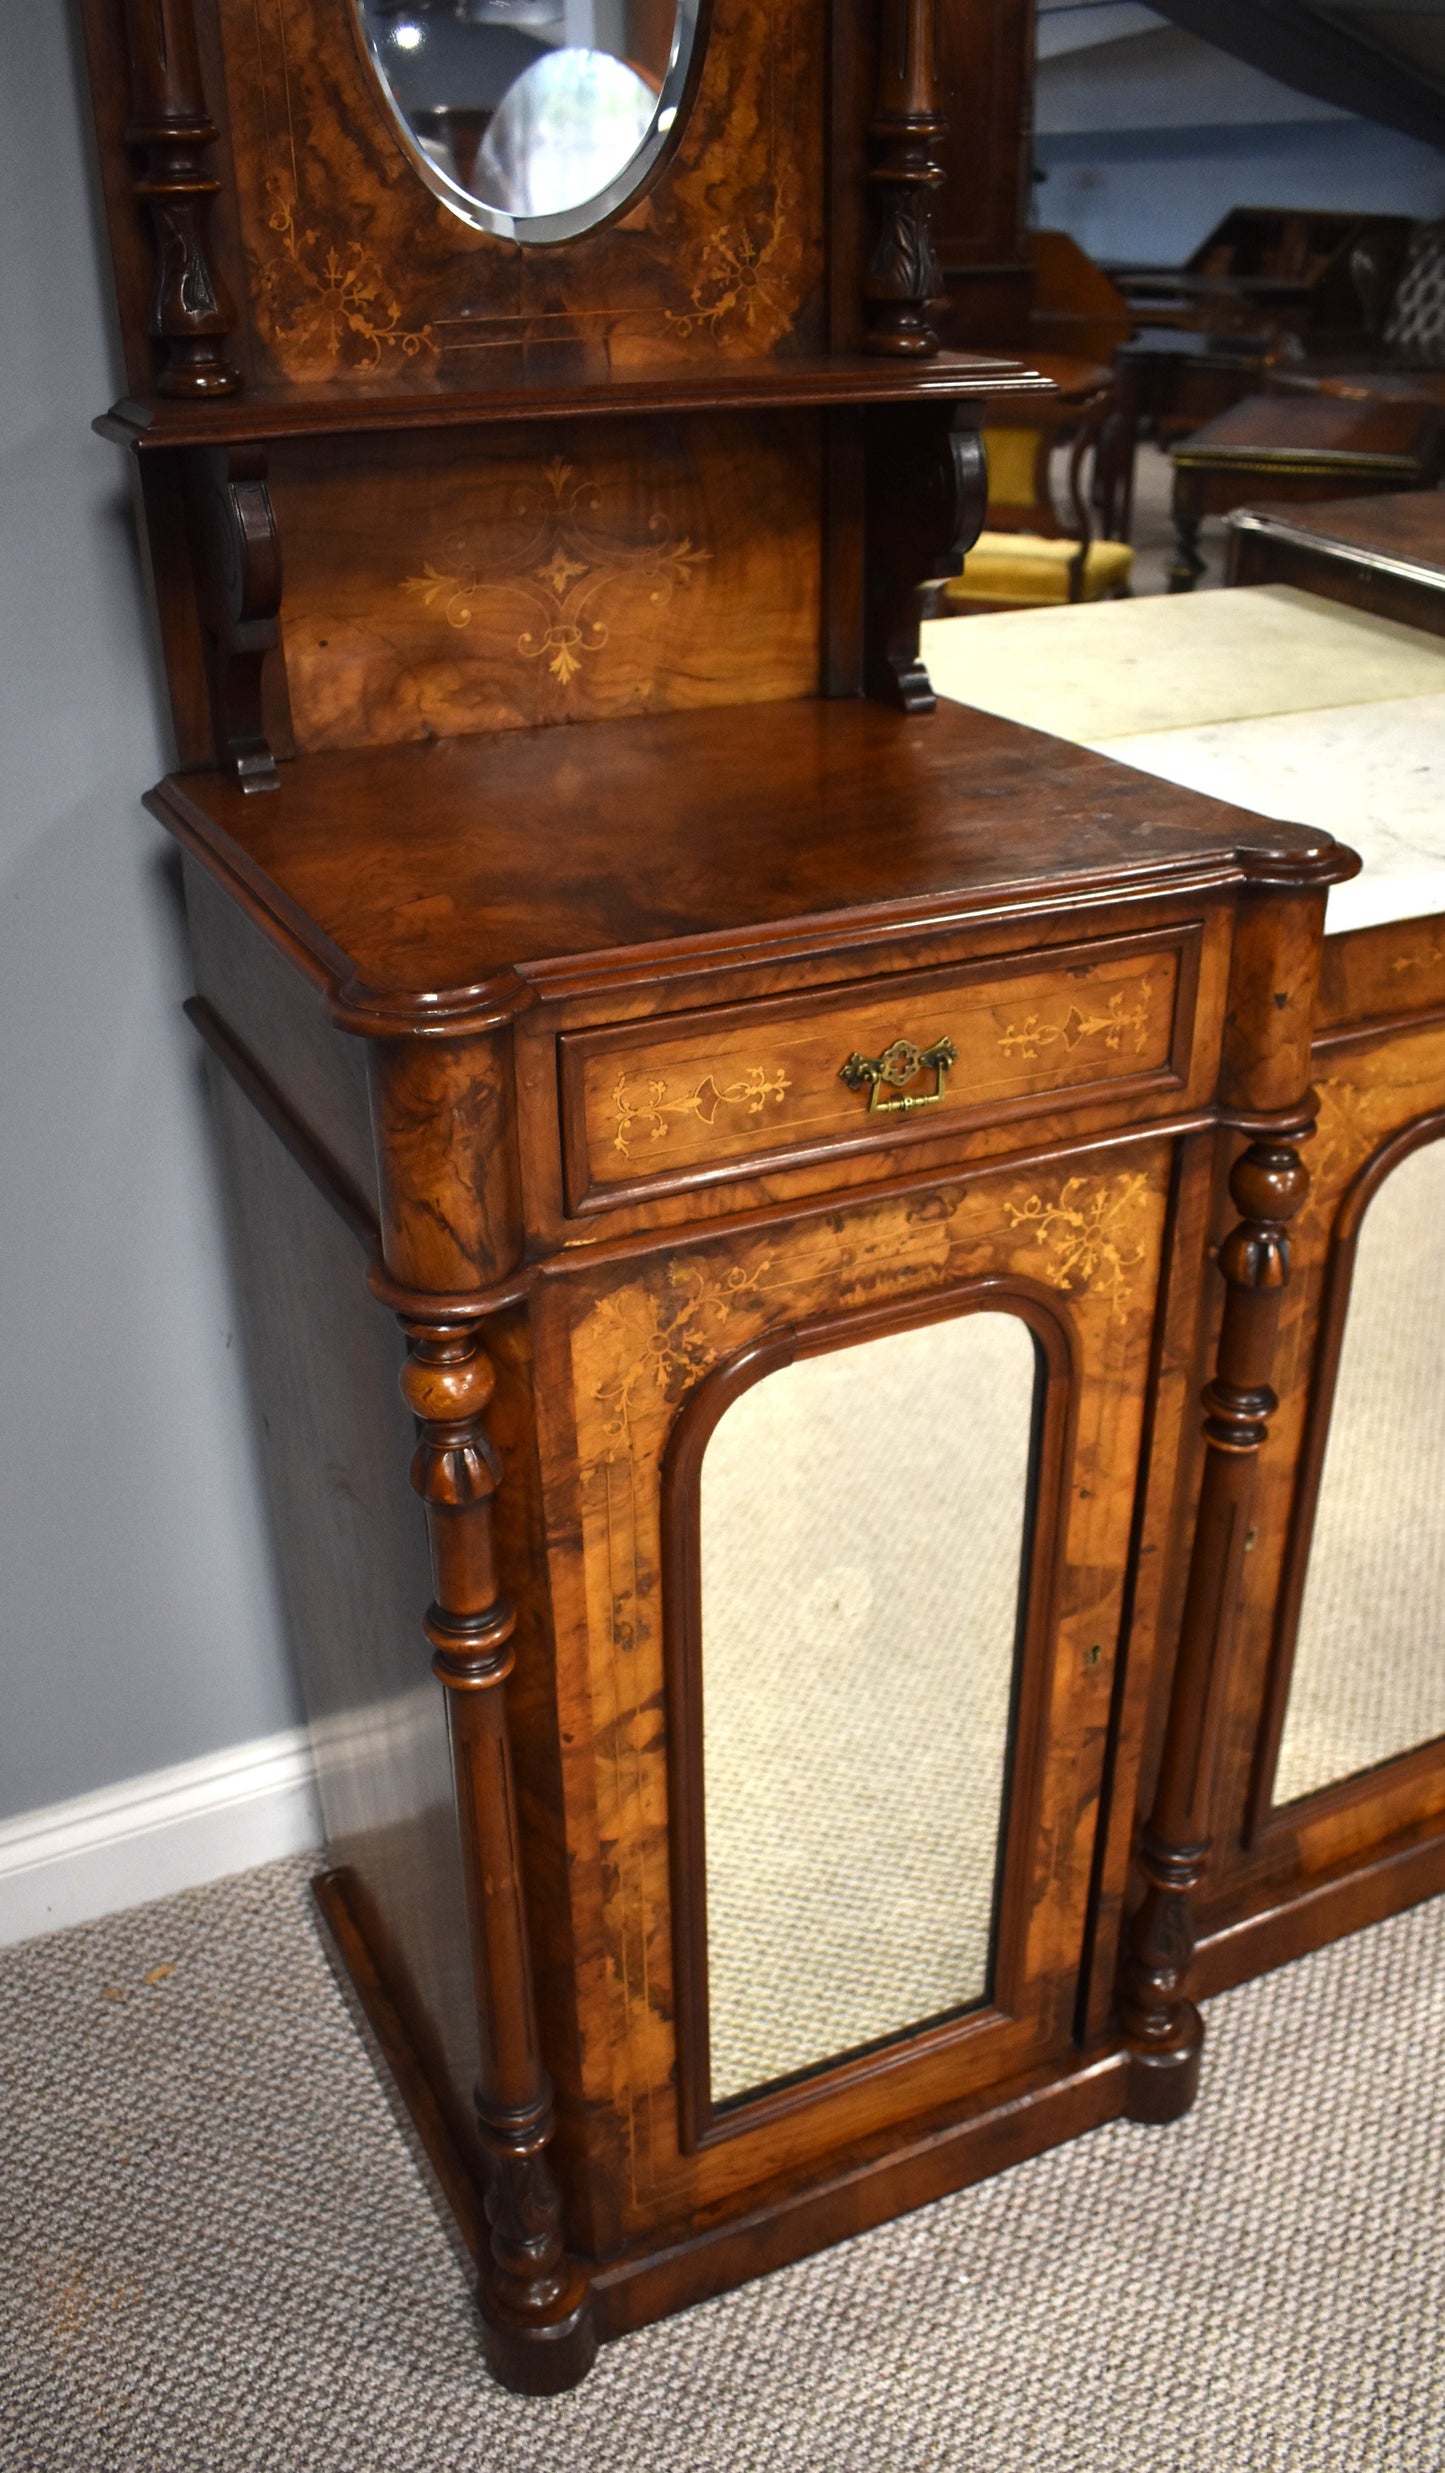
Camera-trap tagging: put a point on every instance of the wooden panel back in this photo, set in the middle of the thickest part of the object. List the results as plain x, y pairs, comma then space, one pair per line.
353, 270
567, 572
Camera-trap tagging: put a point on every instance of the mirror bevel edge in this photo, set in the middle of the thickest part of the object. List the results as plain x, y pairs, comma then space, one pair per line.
628, 189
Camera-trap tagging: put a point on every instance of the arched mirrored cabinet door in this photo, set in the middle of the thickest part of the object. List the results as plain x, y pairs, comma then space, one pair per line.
534, 119
863, 1525
1368, 1677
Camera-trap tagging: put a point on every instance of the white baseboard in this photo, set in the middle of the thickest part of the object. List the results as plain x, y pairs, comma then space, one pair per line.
151, 1836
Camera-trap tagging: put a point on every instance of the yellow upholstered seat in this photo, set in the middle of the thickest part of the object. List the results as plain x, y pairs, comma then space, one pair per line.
1027, 569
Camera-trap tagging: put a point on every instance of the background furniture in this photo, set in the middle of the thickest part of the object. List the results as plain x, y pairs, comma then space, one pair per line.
1322, 280
1381, 554
1065, 451
1299, 449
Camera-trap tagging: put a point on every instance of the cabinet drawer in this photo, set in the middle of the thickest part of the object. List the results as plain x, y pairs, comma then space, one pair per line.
677, 1100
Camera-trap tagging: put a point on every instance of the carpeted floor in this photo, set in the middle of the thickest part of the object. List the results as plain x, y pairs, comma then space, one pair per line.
220, 2256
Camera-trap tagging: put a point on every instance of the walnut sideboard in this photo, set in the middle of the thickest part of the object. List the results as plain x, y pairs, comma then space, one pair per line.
741, 1178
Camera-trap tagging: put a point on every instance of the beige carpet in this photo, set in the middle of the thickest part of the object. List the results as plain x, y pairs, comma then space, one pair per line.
220, 2258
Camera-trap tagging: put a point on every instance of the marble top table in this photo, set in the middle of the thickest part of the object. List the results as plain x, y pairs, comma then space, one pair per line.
1281, 702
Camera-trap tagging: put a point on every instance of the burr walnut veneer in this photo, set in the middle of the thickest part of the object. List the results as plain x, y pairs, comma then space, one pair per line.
625, 990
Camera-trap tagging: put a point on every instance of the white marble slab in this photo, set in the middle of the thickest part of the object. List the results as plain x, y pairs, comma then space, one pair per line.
1374, 774
1107, 668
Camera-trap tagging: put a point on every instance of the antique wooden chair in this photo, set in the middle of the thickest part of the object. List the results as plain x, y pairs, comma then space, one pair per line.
1028, 555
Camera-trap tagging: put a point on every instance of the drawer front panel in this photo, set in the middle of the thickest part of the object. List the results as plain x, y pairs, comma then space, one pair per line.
674, 1101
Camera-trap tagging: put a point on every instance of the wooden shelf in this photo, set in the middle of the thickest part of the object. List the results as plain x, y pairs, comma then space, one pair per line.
260, 413
447, 877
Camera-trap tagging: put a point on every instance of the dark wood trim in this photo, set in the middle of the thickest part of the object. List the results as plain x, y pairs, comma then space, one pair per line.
700, 2122
537, 2326
903, 2172
346, 1948
1268, 1183
191, 313
1363, 1889
746, 386
236, 563
904, 280
311, 1156
926, 497
1267, 1821
844, 483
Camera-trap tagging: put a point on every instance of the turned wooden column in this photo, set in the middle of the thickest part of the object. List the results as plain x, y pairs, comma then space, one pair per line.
903, 278
191, 312
535, 2306
1264, 1091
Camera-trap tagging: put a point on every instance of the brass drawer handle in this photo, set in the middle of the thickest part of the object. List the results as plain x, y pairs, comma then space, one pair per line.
899, 1064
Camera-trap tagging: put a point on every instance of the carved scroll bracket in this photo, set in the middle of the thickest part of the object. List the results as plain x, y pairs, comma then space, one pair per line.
190, 312
236, 561
903, 278
535, 2304
927, 489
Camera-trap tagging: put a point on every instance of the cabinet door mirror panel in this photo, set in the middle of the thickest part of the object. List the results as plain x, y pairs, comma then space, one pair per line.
1369, 1666
864, 1522
535, 119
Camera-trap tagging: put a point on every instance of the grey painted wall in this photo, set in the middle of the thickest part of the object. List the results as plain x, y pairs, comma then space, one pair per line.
138, 1613
1149, 136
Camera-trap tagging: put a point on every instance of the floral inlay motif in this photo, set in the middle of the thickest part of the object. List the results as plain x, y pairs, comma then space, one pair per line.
1429, 957
1348, 1121
1084, 1234
1126, 1012
560, 572
732, 283
334, 302
660, 1345
652, 1105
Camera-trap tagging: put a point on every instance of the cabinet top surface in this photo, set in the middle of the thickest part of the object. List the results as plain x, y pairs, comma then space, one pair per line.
1406, 527
433, 878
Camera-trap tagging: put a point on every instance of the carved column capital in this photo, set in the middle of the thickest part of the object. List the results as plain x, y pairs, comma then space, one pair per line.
903, 278
191, 311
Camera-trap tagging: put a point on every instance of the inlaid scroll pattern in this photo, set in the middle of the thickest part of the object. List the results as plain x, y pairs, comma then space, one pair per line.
1429, 957
329, 300
560, 572
1353, 1117
1084, 1234
656, 1340
663, 1343
1126, 1015
732, 286
751, 1091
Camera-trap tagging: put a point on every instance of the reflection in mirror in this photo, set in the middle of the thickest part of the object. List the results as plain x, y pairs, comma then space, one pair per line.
863, 1522
533, 118
1369, 1665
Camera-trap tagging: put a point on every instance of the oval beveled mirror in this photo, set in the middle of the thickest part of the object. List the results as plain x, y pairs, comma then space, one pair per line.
535, 119
864, 1526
